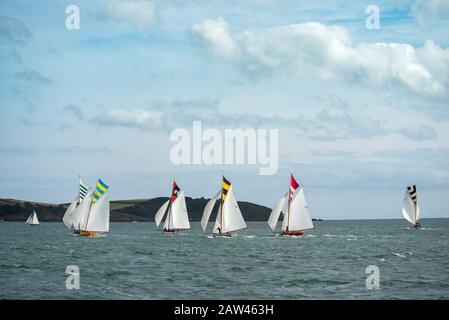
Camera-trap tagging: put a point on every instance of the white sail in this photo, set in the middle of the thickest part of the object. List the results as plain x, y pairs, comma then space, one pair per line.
418, 211
274, 216
98, 219
285, 221
67, 218
161, 212
32, 219
299, 213
179, 216
208, 210
408, 209
217, 224
81, 212
232, 219
167, 220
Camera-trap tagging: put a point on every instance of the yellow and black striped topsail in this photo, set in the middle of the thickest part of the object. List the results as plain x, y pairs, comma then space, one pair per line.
225, 187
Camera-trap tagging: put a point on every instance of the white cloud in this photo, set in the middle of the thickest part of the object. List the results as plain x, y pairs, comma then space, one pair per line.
328, 124
139, 13
322, 51
137, 118
219, 43
429, 12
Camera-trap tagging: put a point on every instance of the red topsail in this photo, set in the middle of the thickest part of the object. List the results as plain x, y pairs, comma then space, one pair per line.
293, 186
175, 191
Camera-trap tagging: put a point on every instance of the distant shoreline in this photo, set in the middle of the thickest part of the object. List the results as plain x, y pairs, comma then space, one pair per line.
135, 210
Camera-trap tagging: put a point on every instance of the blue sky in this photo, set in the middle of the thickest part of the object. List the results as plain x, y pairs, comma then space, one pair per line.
361, 113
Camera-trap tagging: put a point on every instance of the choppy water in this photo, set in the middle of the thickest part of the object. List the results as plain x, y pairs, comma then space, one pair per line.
134, 261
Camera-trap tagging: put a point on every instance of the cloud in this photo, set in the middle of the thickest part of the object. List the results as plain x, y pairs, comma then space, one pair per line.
333, 123
430, 12
51, 48
33, 76
11, 55
78, 149
74, 111
17, 150
421, 132
137, 118
13, 31
138, 13
219, 42
322, 51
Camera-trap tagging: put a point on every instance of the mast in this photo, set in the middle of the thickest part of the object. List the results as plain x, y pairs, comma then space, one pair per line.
288, 210
416, 204
221, 207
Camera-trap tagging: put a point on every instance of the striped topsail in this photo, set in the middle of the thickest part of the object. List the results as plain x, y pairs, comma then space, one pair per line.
84, 188
293, 186
225, 187
100, 190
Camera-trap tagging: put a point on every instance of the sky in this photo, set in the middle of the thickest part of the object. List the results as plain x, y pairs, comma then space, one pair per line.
361, 113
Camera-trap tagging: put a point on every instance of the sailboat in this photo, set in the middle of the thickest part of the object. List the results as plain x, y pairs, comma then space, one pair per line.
91, 216
32, 219
72, 217
297, 218
229, 218
177, 218
410, 207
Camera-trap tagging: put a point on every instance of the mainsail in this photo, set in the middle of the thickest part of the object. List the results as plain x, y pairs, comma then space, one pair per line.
97, 219
79, 216
299, 213
32, 219
179, 217
73, 216
410, 205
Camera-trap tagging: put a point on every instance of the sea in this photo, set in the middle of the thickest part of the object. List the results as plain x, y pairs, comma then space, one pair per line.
355, 259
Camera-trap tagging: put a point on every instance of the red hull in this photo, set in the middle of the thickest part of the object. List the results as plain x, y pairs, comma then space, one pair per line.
295, 233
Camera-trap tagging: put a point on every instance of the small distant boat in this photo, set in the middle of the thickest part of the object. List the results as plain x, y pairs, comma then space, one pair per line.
72, 217
410, 207
32, 219
229, 218
177, 218
297, 218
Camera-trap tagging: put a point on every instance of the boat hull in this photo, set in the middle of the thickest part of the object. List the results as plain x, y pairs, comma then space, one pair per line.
294, 233
87, 233
223, 235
